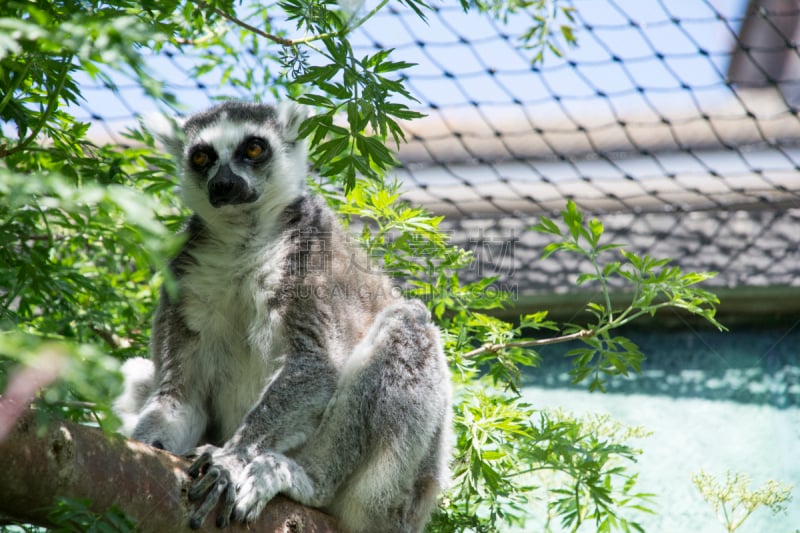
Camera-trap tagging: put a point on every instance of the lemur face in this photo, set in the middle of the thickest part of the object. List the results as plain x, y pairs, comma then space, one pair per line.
239, 156
230, 181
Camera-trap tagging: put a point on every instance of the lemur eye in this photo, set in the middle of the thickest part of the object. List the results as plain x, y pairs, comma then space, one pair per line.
201, 158
254, 149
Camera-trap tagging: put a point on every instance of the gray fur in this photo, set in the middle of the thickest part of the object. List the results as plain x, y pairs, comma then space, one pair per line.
296, 364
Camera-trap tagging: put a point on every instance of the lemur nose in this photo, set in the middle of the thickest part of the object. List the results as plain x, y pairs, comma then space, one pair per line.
227, 188
221, 192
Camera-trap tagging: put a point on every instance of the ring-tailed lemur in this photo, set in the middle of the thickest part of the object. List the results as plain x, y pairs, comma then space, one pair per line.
303, 372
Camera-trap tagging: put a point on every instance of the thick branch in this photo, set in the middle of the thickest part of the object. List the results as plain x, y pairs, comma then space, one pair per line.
73, 461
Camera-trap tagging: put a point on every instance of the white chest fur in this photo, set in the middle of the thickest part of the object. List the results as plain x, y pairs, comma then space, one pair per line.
225, 297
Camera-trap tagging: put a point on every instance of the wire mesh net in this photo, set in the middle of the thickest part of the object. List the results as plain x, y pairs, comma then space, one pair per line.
675, 123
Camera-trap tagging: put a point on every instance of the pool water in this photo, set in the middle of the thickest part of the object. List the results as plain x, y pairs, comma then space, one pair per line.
714, 402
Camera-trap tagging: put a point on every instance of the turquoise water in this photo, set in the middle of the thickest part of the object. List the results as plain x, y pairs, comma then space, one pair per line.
713, 401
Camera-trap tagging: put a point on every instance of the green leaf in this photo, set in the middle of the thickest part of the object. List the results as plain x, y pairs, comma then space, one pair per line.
573, 218
546, 225
596, 230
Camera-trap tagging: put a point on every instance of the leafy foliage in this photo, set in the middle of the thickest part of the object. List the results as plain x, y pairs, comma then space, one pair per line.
85, 230
655, 285
514, 459
75, 515
497, 433
551, 24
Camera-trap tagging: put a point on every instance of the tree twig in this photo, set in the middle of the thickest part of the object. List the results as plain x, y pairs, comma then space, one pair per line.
113, 340
493, 348
239, 22
283, 40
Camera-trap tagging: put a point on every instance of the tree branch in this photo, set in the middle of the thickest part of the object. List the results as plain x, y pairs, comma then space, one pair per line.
282, 40
494, 348
243, 24
114, 341
73, 461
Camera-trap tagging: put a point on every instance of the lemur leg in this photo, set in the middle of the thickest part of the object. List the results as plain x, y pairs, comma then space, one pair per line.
393, 406
170, 423
155, 413
378, 455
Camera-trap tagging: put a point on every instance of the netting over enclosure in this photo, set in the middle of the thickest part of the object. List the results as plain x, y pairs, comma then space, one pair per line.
675, 122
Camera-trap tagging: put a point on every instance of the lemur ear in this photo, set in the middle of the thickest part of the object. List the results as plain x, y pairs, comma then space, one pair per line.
166, 129
291, 116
